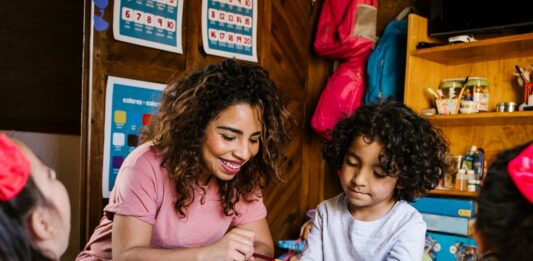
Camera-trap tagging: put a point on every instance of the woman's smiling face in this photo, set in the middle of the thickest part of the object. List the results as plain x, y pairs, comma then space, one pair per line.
231, 139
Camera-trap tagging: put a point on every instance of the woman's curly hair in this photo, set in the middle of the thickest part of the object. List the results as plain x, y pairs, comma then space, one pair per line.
504, 215
413, 150
189, 105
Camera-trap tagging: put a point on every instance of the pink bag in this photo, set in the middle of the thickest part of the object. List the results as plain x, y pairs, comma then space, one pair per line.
343, 94
346, 30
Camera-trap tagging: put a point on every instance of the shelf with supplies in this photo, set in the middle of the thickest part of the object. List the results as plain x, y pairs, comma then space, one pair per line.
453, 193
481, 50
487, 118
493, 59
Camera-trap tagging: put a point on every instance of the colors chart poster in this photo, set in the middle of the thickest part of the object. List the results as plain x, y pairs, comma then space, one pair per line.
151, 23
129, 106
229, 28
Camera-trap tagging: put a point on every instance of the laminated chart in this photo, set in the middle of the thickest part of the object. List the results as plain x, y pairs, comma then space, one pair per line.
129, 107
150, 23
229, 28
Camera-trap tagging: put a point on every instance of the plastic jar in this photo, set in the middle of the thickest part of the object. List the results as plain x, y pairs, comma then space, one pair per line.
478, 91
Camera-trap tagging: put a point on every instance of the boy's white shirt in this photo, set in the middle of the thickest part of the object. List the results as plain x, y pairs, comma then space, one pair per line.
336, 235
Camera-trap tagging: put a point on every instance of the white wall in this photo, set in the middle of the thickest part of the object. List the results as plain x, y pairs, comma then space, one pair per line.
62, 153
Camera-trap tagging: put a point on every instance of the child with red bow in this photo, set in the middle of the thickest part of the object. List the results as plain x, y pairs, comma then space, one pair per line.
34, 206
504, 224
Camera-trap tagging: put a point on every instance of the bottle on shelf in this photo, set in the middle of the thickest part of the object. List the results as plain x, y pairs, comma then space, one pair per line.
461, 180
471, 180
478, 163
469, 158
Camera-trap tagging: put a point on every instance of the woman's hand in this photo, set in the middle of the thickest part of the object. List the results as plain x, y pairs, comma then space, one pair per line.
237, 244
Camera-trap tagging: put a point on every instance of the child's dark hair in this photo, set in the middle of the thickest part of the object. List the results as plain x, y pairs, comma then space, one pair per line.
504, 215
413, 150
189, 105
15, 243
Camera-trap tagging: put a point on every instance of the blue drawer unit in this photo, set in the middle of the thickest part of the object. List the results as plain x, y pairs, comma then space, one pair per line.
446, 207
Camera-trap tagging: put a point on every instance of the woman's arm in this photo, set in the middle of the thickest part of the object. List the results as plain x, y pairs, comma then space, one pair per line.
262, 238
131, 241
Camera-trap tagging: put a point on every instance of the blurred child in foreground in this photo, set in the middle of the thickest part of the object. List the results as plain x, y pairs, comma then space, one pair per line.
34, 206
504, 223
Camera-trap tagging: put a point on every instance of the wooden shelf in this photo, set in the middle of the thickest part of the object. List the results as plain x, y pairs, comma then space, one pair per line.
486, 118
454, 193
493, 59
478, 51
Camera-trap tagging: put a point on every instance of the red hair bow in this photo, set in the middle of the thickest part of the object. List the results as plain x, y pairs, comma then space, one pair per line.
14, 169
521, 171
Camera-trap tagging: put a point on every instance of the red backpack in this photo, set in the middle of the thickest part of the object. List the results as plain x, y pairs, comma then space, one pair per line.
346, 31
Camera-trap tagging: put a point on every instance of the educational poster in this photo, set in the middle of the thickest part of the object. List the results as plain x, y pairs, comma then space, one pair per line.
229, 28
129, 106
150, 23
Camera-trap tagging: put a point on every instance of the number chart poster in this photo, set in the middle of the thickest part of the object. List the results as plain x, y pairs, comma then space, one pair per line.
150, 23
229, 28
129, 106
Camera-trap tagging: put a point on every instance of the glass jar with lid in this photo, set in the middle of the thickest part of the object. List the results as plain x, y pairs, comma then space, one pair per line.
478, 91
450, 88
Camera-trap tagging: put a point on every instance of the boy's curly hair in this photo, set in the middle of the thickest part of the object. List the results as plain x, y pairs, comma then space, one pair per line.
504, 215
413, 150
189, 105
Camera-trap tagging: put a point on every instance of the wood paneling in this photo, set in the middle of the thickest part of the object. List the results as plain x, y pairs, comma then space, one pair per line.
389, 9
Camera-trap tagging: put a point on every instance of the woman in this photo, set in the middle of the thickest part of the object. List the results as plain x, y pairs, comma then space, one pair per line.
192, 191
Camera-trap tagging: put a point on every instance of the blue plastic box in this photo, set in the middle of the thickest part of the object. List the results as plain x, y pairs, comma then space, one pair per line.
446, 224
446, 207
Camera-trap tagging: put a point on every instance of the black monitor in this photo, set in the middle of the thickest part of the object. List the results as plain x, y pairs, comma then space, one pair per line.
457, 17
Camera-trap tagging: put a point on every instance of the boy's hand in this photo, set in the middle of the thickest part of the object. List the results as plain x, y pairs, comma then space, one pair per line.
304, 232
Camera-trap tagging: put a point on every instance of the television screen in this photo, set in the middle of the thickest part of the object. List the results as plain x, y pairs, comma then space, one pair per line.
454, 17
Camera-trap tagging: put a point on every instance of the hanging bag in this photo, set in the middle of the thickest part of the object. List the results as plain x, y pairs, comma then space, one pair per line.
346, 31
386, 64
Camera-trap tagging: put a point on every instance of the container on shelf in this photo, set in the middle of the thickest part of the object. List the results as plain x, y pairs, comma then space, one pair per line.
449, 89
477, 90
461, 181
471, 180
528, 93
506, 107
468, 107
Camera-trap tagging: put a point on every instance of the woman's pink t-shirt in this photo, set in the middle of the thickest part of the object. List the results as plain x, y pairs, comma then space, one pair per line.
144, 190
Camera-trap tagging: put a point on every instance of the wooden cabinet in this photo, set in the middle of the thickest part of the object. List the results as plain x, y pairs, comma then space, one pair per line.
493, 59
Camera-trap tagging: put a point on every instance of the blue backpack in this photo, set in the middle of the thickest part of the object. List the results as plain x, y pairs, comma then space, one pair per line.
386, 64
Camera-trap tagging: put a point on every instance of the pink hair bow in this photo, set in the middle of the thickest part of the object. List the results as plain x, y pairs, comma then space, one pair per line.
521, 171
14, 169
